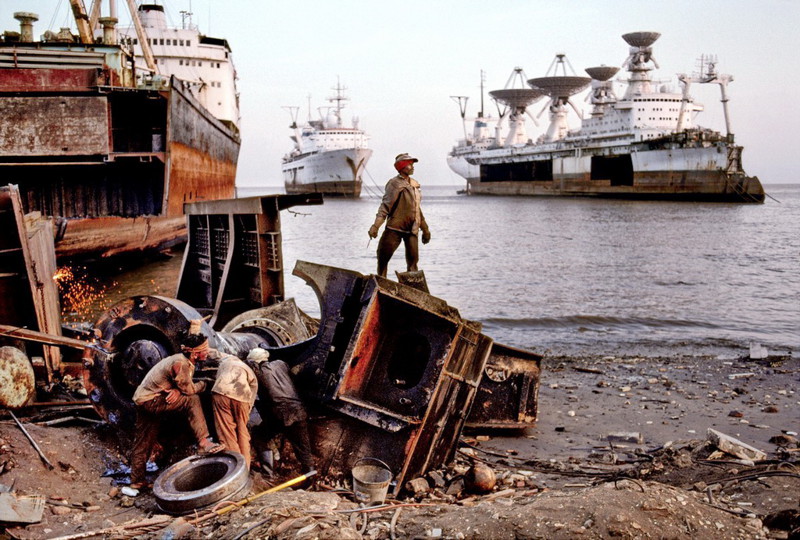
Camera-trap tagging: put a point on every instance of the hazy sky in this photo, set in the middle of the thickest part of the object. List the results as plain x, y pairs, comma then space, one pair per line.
401, 62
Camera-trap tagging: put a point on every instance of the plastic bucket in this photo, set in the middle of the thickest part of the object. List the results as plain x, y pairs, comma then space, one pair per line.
371, 478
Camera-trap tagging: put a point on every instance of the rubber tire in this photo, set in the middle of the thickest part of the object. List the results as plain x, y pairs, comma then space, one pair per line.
233, 484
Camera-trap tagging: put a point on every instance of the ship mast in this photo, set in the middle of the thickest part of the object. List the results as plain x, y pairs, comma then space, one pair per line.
339, 98
708, 74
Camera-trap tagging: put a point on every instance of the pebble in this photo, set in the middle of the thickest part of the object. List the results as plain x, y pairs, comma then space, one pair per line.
129, 491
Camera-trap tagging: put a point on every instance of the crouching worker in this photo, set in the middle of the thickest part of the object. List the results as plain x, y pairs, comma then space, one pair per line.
232, 396
168, 386
280, 405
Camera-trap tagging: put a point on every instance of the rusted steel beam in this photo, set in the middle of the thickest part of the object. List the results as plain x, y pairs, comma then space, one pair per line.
41, 337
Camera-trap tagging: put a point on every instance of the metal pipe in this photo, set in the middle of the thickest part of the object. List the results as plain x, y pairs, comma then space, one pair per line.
35, 446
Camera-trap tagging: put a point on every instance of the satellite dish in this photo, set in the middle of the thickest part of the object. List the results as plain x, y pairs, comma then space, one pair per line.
518, 98
602, 73
561, 86
641, 39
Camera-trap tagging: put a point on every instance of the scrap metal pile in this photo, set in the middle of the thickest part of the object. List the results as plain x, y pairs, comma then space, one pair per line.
388, 371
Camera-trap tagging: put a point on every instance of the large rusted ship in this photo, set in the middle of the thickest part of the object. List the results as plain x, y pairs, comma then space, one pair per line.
641, 145
110, 135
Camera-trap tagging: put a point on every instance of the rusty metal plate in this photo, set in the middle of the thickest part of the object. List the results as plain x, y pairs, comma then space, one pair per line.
508, 396
54, 126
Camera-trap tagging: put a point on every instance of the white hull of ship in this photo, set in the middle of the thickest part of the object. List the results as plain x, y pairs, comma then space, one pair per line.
333, 173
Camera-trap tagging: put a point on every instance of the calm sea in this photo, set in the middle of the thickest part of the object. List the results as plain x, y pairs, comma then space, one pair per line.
572, 276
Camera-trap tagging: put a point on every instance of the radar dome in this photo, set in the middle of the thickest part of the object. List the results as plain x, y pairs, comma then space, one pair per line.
517, 97
560, 86
641, 39
602, 73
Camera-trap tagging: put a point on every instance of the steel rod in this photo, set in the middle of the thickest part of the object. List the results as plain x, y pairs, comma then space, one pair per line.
35, 446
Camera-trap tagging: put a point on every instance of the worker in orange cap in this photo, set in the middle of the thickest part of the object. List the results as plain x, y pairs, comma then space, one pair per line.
400, 209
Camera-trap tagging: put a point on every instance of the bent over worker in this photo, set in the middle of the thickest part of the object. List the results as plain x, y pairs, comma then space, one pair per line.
279, 402
168, 386
400, 209
232, 398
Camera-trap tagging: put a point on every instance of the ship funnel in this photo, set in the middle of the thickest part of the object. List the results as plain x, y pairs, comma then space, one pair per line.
109, 35
26, 20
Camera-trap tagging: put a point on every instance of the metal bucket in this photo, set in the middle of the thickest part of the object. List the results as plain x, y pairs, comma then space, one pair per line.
371, 478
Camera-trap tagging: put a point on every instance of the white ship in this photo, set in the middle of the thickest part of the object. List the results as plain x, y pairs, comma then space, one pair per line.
642, 145
327, 157
203, 63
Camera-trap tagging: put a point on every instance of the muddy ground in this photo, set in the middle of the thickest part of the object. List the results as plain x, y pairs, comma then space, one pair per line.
620, 450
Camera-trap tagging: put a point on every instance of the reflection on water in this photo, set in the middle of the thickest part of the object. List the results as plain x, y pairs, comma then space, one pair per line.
95, 288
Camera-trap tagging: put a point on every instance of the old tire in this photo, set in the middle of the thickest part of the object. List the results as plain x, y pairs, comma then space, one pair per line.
201, 481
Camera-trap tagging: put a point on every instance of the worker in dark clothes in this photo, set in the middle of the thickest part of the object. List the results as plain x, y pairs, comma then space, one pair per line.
278, 400
168, 386
400, 209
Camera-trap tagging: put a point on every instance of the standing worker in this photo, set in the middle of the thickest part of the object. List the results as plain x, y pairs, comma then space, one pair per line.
168, 386
401, 210
232, 397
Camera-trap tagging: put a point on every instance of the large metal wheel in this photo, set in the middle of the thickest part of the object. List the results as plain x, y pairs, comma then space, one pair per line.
201, 481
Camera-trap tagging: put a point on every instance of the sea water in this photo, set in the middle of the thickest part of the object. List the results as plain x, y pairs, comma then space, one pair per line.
573, 276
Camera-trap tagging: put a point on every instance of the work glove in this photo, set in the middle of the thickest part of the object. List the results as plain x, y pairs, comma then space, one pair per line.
426, 237
373, 232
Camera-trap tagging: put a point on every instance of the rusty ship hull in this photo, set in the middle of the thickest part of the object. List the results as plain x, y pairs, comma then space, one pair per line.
111, 162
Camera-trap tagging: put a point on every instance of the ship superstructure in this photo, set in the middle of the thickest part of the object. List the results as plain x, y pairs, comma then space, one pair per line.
109, 146
642, 143
203, 63
327, 156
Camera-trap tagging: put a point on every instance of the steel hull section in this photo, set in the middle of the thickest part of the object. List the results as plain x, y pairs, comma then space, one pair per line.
690, 174
111, 236
202, 153
332, 173
114, 168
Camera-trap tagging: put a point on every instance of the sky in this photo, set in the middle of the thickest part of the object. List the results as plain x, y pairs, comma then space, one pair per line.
402, 62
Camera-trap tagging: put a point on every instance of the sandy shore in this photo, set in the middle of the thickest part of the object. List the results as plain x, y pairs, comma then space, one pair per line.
562, 478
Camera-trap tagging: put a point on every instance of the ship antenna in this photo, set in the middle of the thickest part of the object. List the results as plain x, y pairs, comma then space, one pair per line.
483, 80
338, 98
462, 106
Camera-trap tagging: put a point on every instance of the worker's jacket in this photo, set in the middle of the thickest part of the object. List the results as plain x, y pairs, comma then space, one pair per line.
400, 207
174, 371
236, 380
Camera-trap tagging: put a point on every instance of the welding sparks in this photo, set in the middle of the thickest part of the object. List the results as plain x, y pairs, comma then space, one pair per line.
80, 293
